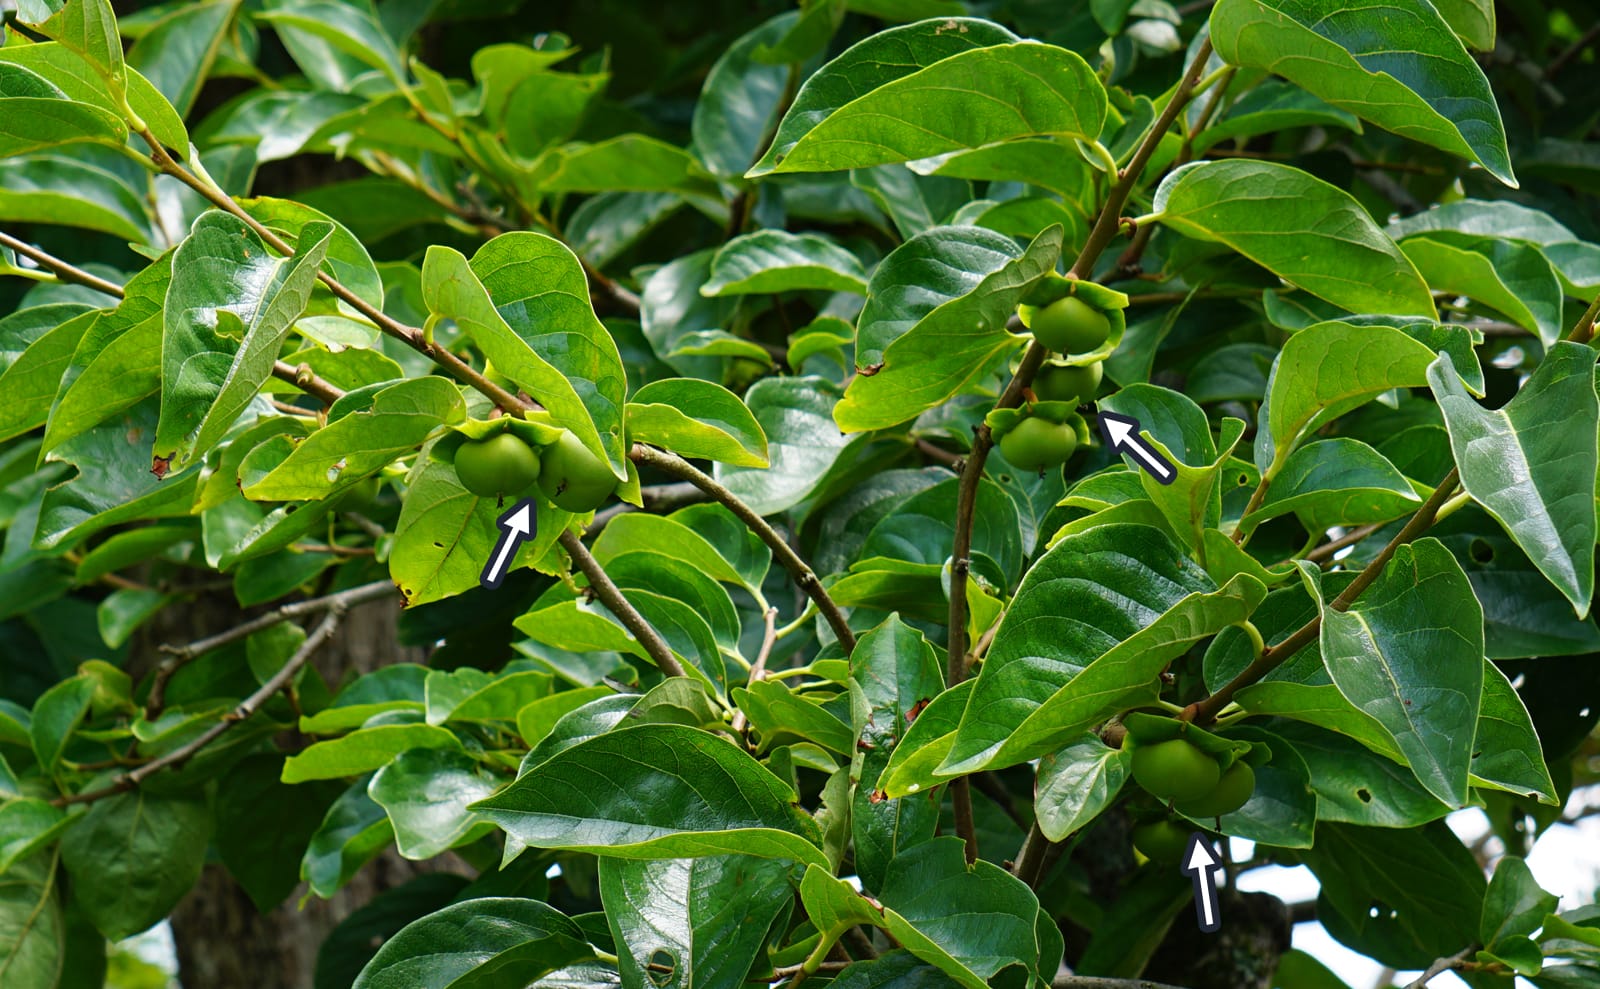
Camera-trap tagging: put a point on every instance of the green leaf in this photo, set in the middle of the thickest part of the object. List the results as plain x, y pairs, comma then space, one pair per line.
484, 942
1270, 107
229, 308
30, 123
39, 343
347, 258
1409, 653
426, 792
697, 419
358, 443
772, 261
1514, 905
524, 301
354, 830
1470, 220
32, 935
133, 856
1537, 482
1340, 481
56, 715
1192, 502
796, 415
1413, 77
779, 713
177, 54
346, 28
1403, 896
1512, 278
80, 79
1327, 370
708, 798
630, 163
709, 929
263, 826
636, 531
89, 28
1077, 783
1507, 754
965, 101
58, 190
363, 750
27, 825
741, 94
1311, 234
1354, 785
946, 349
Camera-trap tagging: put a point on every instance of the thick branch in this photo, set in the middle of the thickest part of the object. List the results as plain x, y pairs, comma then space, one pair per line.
306, 380
177, 656
247, 707
1206, 711
647, 456
618, 605
60, 268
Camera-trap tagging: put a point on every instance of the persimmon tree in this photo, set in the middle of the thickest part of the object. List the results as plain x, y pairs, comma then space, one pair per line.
959, 458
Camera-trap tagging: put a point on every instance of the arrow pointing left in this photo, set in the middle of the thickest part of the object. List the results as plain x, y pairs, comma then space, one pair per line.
517, 526
1201, 862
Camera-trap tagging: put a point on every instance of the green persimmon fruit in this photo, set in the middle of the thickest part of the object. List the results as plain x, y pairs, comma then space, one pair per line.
573, 478
1065, 383
1035, 443
498, 466
1162, 842
1231, 792
1175, 770
1071, 326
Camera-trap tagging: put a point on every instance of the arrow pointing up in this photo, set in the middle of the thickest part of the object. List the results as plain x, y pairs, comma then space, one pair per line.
1201, 862
1122, 436
517, 526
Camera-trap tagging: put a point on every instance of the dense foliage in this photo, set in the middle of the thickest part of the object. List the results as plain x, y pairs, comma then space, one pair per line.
844, 647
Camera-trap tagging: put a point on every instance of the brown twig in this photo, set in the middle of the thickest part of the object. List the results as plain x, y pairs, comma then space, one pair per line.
306, 380
804, 577
610, 596
758, 669
246, 708
1443, 965
939, 453
177, 656
1325, 552
61, 269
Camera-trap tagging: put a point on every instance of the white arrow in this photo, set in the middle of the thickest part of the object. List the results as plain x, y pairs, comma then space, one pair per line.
1122, 436
517, 526
1202, 863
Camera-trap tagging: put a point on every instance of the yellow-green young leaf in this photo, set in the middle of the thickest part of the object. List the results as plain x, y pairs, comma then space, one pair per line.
708, 797
712, 927
1532, 463
89, 28
524, 301
347, 28
1311, 234
54, 189
34, 116
363, 439
948, 348
177, 53
37, 345
117, 363
446, 534
630, 163
697, 419
486, 941
80, 81
228, 310
771, 261
1412, 77
1510, 277
363, 750
1327, 370
1409, 654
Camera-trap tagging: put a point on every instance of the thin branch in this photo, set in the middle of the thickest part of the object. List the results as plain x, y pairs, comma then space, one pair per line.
1030, 859
306, 380
939, 453
758, 669
247, 707
409, 335
1571, 52
1204, 712
626, 613
177, 656
1326, 552
1443, 965
60, 268
804, 577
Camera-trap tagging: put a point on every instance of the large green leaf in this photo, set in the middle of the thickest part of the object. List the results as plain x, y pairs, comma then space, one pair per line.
133, 856
893, 674
229, 308
1470, 220
1077, 783
969, 100
1412, 76
1311, 234
177, 53
36, 119
697, 419
1513, 278
425, 792
630, 163
38, 345
1339, 481
1327, 370
1409, 654
705, 918
803, 445
32, 935
483, 942
948, 347
89, 28
1531, 464
352, 832
66, 68
741, 95
771, 261
366, 436
57, 189
708, 797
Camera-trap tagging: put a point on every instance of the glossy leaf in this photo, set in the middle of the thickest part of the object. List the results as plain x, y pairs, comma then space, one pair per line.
771, 261
177, 54
1531, 464
1077, 783
425, 792
697, 419
1514, 279
1311, 234
1340, 481
490, 941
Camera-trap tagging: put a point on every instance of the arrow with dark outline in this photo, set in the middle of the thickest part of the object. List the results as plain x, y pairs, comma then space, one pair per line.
1122, 436
1201, 862
517, 526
